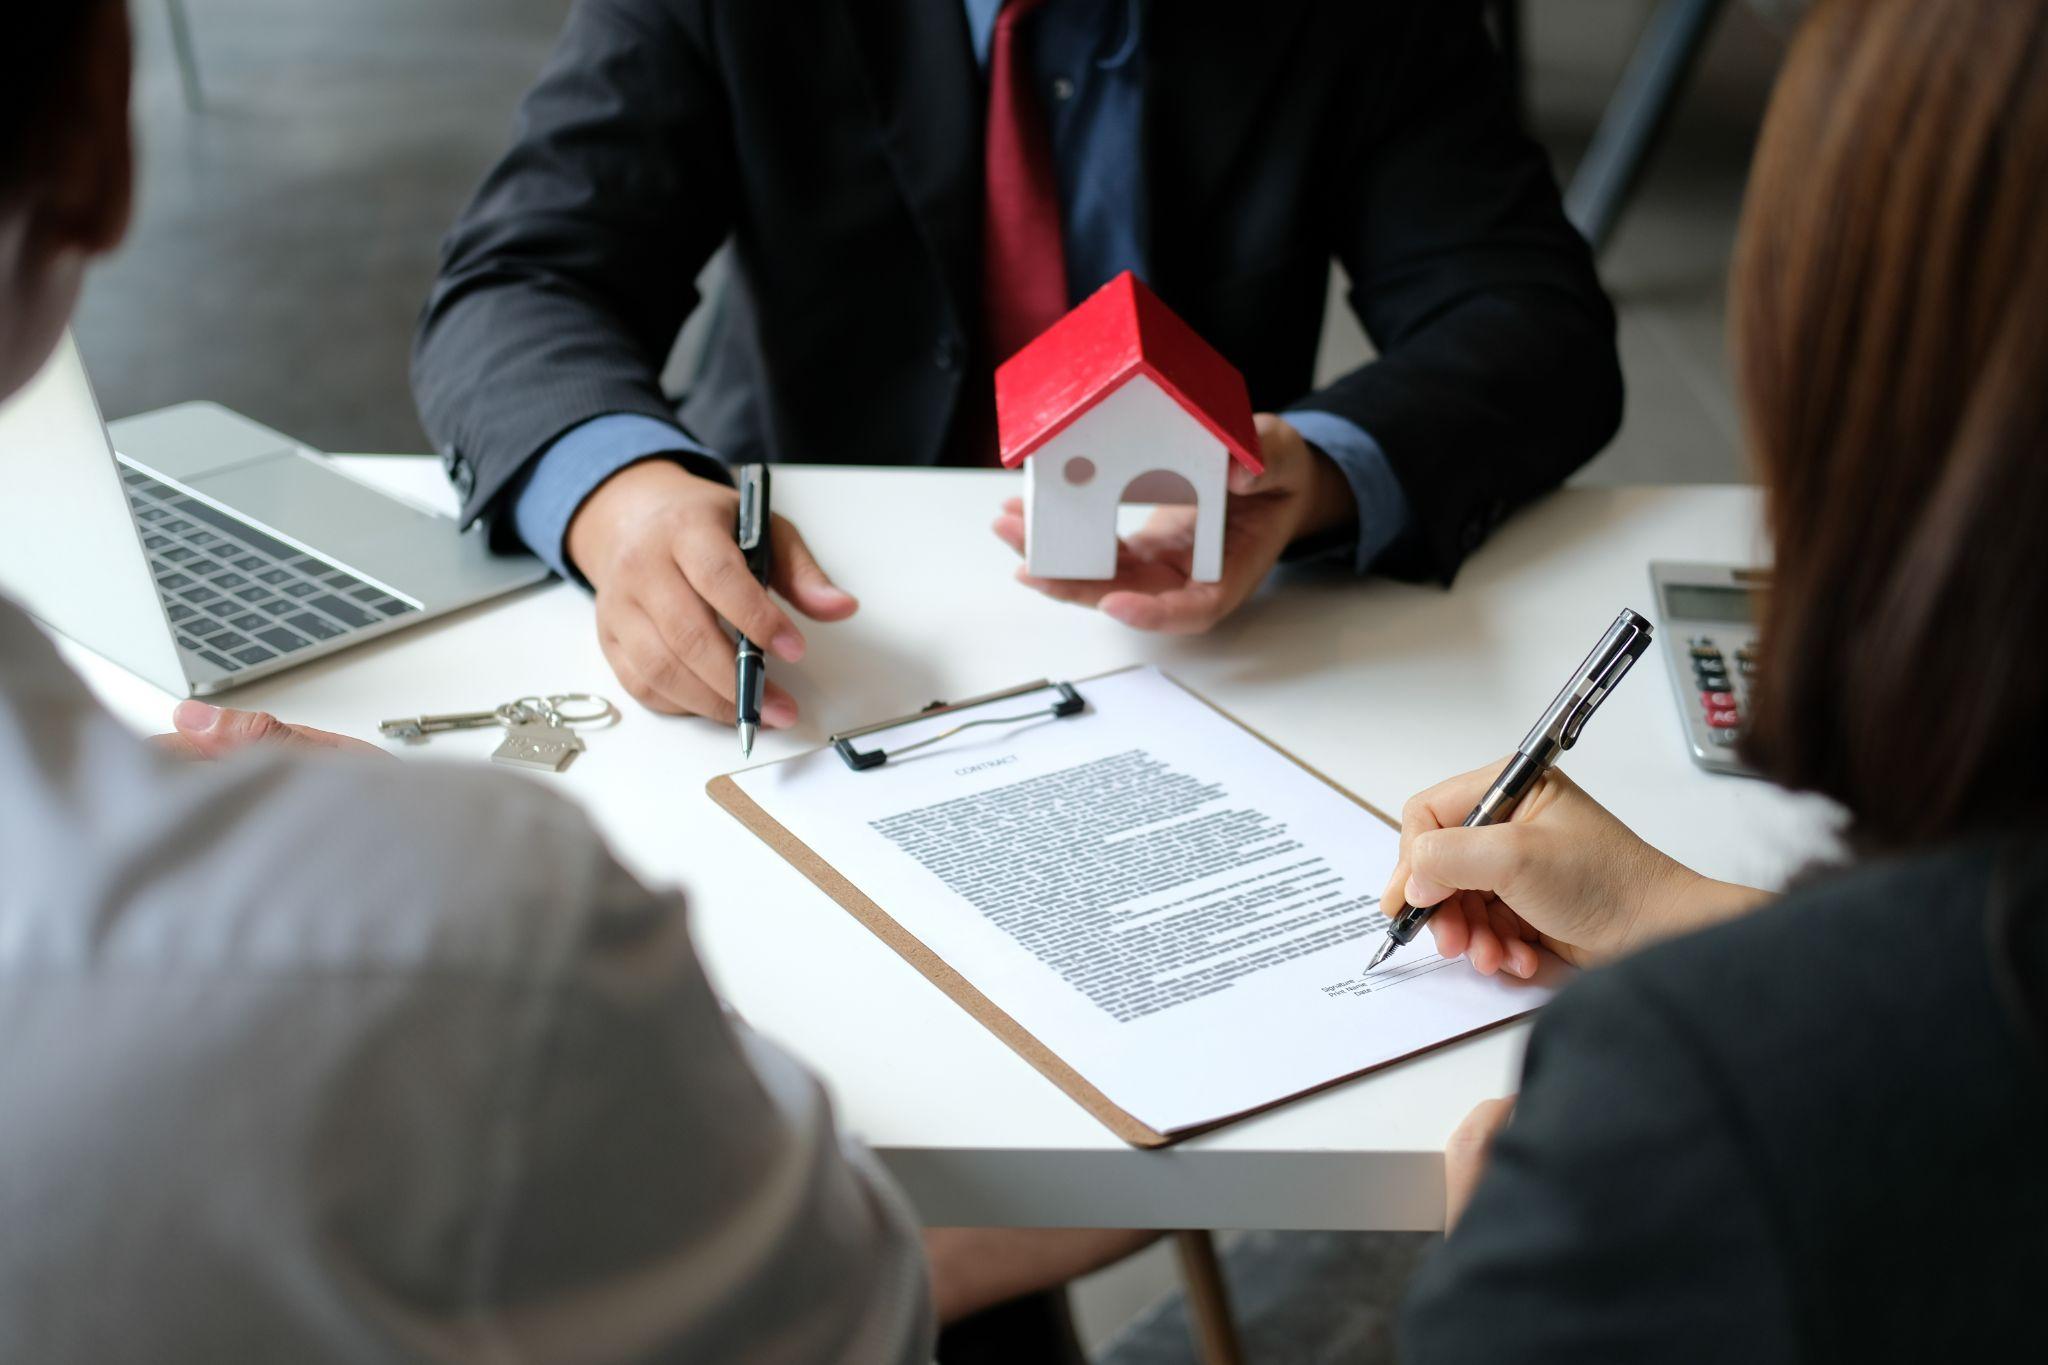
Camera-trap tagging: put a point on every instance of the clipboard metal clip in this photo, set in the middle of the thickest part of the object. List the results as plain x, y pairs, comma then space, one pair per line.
1070, 703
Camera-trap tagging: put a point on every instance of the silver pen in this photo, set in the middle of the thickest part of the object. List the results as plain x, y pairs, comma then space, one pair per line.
1592, 683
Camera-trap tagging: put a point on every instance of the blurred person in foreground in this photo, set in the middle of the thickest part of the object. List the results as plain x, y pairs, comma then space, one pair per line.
305, 1056
1809, 1128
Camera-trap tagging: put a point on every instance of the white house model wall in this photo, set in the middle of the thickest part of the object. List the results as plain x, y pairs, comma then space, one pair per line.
1074, 483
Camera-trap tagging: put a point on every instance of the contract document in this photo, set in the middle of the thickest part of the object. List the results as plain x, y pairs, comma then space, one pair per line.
1174, 908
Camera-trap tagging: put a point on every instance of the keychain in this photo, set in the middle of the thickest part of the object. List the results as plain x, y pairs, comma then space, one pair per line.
540, 732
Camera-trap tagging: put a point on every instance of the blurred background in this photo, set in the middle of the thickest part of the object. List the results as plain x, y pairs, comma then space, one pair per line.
287, 235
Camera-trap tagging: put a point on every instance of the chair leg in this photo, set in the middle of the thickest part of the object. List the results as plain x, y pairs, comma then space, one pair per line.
188, 56
1215, 1331
1637, 115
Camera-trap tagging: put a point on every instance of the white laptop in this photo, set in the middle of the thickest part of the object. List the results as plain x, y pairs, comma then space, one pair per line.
207, 549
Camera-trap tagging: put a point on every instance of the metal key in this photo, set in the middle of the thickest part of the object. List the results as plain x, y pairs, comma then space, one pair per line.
539, 743
416, 729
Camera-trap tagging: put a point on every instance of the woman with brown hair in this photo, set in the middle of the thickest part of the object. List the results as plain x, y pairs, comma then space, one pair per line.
1810, 1128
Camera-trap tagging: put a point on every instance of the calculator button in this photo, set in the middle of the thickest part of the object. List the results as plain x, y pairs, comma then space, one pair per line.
1706, 652
1713, 682
1723, 718
1724, 738
1710, 701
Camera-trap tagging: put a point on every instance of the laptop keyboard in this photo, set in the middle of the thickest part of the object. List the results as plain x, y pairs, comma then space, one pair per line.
237, 597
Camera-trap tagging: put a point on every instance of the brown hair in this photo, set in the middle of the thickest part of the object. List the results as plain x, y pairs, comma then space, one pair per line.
43, 42
1890, 315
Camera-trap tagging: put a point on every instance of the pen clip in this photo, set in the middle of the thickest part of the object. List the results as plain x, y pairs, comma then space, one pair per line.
1628, 648
753, 491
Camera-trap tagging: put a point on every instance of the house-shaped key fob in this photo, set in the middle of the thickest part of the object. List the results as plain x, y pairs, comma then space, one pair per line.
540, 745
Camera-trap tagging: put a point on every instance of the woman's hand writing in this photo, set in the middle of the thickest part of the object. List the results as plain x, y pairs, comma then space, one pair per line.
1561, 873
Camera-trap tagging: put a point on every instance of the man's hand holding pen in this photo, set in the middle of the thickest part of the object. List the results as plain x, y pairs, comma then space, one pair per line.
657, 544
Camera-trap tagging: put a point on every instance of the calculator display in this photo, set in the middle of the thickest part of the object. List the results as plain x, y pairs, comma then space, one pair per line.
1697, 602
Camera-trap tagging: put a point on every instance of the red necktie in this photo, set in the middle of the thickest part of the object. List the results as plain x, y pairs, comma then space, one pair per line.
1024, 262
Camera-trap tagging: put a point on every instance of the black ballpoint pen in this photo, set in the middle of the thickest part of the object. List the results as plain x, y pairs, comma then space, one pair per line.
1596, 678
753, 537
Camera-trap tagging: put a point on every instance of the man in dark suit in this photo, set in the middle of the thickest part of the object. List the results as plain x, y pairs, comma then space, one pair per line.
912, 188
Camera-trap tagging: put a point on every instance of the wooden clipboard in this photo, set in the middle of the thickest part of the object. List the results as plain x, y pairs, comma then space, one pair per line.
963, 992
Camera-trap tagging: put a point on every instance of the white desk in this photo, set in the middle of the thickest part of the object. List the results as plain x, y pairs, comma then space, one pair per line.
1385, 687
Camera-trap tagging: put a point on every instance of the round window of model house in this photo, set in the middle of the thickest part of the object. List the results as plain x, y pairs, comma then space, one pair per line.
1079, 470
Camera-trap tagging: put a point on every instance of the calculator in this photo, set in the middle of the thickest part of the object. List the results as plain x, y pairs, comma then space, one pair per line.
1709, 614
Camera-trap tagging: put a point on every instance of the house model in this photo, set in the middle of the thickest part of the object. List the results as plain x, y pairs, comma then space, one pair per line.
1120, 401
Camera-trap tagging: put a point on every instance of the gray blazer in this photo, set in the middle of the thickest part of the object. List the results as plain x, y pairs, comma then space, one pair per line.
283, 1078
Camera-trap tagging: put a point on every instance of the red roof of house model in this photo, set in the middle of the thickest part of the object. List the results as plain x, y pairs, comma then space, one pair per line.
1121, 330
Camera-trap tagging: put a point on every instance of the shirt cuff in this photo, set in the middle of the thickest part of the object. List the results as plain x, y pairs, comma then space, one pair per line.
1382, 505
569, 471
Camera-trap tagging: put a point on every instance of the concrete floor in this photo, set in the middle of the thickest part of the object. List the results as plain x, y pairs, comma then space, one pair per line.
287, 235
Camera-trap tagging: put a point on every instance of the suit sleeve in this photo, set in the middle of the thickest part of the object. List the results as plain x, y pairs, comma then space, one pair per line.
564, 283
1618, 1219
1497, 373
678, 1190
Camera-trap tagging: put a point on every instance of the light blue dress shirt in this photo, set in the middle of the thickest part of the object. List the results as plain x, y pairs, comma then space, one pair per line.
1086, 53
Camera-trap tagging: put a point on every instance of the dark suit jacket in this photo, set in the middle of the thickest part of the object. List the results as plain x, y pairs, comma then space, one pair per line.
1816, 1134
836, 143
